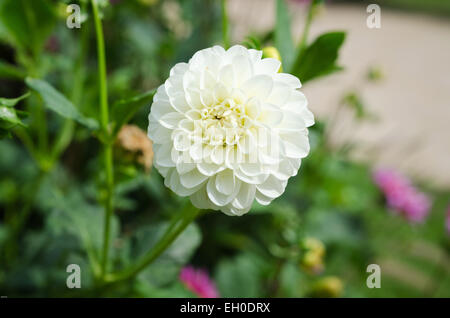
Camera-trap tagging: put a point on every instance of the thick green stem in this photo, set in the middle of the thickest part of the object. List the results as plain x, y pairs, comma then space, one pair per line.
225, 34
177, 226
108, 151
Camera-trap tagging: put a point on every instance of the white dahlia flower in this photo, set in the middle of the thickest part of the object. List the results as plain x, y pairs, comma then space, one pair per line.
227, 129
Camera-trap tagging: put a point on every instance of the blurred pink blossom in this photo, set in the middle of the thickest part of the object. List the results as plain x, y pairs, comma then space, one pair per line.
402, 196
198, 281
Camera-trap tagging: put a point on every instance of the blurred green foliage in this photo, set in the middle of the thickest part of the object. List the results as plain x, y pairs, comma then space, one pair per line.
51, 210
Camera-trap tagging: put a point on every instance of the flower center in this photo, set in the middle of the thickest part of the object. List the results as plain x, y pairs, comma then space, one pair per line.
224, 123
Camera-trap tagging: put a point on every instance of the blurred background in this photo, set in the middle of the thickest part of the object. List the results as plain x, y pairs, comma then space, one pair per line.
375, 188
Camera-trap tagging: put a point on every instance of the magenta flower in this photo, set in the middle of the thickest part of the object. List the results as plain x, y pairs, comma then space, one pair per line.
198, 282
402, 196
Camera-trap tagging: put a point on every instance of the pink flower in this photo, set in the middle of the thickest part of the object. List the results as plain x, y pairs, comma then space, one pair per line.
402, 196
198, 281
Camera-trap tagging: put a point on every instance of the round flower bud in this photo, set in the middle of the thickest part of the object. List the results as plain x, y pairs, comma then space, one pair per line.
312, 258
330, 286
272, 52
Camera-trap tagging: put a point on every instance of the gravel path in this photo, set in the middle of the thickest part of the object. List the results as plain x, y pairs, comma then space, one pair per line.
412, 101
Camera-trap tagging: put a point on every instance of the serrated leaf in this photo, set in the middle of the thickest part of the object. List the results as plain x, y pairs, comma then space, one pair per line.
58, 103
320, 57
125, 109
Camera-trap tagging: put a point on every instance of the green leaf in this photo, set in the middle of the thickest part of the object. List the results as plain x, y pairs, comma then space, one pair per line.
11, 102
320, 57
166, 268
239, 277
125, 109
28, 23
72, 214
9, 118
11, 71
58, 103
283, 36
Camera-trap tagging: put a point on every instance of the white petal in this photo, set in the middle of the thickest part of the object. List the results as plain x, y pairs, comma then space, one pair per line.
271, 115
288, 79
216, 197
280, 94
226, 76
163, 155
245, 196
259, 86
193, 98
157, 133
296, 145
242, 69
200, 199
218, 155
192, 178
172, 181
209, 169
179, 102
267, 66
181, 141
272, 187
221, 92
161, 107
179, 69
262, 199
225, 182
171, 120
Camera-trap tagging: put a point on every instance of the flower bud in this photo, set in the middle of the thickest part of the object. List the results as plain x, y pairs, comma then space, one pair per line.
313, 254
272, 52
148, 2
313, 244
330, 286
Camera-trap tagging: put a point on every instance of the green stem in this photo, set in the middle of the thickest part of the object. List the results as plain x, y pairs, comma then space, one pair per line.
225, 33
108, 166
79, 71
177, 226
309, 18
104, 115
108, 150
304, 39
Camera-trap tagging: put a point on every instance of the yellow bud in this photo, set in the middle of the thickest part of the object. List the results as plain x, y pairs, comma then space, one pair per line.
312, 260
148, 2
315, 245
330, 286
61, 10
272, 52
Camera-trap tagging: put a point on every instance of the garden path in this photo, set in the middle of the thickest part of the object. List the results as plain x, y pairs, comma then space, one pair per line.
411, 102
